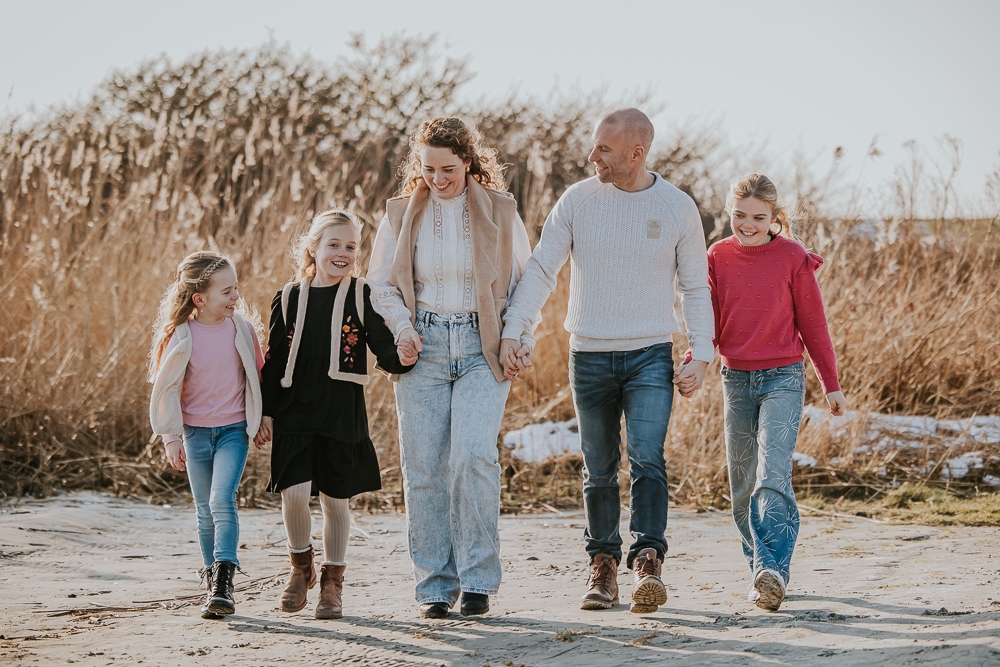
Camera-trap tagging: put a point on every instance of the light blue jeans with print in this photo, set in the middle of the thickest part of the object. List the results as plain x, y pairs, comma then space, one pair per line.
215, 460
763, 415
450, 407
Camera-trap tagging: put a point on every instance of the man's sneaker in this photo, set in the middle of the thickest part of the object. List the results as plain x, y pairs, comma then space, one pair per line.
602, 586
770, 589
648, 592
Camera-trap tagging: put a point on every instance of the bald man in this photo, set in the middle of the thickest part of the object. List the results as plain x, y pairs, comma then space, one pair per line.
630, 237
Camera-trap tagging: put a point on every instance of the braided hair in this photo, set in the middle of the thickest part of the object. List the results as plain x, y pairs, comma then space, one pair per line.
177, 305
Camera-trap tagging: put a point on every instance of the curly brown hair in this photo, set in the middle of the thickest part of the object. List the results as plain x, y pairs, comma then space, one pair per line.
464, 141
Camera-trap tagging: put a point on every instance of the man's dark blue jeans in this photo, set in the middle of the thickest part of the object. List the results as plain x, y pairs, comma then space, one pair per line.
640, 384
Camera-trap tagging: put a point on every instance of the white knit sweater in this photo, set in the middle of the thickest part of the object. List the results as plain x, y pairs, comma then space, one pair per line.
627, 251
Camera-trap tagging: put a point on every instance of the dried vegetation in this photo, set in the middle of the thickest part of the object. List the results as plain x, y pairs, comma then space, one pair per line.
236, 151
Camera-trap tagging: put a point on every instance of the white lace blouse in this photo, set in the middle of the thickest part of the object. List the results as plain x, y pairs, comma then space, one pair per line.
443, 278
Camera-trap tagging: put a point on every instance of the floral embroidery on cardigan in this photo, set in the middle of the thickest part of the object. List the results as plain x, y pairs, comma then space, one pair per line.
349, 338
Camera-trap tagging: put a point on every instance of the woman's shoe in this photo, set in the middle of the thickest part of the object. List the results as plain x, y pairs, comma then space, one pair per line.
433, 610
474, 604
301, 578
222, 600
331, 589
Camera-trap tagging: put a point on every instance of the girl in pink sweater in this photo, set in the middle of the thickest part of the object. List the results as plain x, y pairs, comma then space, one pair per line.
768, 310
206, 404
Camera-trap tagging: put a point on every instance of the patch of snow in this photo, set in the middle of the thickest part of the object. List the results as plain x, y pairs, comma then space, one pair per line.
803, 460
991, 480
537, 442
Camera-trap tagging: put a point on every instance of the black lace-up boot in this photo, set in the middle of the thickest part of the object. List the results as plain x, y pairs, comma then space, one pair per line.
221, 599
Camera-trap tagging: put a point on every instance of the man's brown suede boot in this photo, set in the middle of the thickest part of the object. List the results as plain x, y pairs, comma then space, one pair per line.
602, 587
648, 592
301, 578
331, 589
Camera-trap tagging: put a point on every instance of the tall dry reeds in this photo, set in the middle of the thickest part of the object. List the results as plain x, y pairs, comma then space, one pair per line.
236, 151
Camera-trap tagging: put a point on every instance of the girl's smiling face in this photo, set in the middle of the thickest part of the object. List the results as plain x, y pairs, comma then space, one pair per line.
751, 219
336, 254
443, 171
219, 299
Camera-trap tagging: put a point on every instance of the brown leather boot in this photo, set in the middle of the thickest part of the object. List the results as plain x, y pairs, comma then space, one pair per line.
648, 592
331, 588
301, 578
602, 587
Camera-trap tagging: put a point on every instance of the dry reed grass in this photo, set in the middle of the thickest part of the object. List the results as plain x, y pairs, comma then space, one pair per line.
236, 151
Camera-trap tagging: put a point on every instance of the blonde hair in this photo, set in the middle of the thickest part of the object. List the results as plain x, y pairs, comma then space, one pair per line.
193, 275
760, 187
464, 141
306, 243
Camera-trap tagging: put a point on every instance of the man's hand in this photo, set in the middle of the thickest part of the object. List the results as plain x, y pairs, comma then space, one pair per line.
175, 454
514, 357
410, 346
689, 377
264, 434
838, 403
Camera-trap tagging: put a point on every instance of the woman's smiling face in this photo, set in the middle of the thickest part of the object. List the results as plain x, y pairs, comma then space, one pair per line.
443, 171
751, 218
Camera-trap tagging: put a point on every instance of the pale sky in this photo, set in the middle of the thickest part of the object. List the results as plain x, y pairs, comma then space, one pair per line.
795, 76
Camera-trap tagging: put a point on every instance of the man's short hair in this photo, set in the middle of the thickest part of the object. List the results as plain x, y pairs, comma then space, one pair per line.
638, 128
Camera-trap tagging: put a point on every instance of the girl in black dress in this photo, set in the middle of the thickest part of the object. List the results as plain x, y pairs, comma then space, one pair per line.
312, 386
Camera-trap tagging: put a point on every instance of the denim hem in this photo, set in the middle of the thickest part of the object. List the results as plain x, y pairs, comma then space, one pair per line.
480, 591
437, 600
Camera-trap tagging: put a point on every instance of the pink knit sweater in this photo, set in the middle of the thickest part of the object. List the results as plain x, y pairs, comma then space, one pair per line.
768, 307
214, 384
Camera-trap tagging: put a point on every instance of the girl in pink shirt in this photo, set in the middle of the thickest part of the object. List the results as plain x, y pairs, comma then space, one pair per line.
206, 404
768, 310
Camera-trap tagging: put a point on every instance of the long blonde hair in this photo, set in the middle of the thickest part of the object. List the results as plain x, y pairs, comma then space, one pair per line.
177, 305
464, 141
760, 187
305, 263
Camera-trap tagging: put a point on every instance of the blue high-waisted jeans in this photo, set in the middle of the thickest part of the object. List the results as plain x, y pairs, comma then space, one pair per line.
640, 384
763, 414
450, 407
215, 460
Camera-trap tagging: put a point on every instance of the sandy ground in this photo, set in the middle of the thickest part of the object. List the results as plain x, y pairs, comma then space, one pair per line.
861, 593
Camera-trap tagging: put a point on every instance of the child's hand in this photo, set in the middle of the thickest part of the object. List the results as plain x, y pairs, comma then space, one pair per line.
264, 433
175, 454
838, 403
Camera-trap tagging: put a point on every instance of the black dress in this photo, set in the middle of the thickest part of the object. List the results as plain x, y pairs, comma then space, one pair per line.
320, 424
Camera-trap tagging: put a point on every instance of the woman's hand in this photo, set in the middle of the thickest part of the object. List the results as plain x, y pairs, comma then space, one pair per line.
264, 433
409, 347
838, 403
514, 358
175, 454
689, 377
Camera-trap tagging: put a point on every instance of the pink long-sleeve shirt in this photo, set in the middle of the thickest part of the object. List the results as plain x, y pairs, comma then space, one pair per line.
214, 383
769, 308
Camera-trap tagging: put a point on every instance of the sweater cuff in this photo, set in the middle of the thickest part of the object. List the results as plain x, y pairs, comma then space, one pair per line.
167, 439
515, 331
703, 352
398, 326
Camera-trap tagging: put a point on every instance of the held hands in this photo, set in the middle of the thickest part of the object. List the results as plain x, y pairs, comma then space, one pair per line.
689, 377
265, 433
515, 357
175, 454
838, 403
409, 347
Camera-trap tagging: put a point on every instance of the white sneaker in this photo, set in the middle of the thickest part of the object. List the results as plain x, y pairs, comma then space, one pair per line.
769, 587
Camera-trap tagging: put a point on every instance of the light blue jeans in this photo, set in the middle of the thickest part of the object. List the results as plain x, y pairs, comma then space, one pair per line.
763, 414
215, 460
450, 407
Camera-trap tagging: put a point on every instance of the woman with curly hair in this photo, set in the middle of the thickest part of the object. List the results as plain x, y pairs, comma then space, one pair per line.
447, 257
